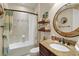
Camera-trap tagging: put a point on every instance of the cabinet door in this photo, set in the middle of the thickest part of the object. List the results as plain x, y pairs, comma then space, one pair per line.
45, 52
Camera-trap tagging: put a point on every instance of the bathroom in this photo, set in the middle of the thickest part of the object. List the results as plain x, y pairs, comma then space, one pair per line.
30, 29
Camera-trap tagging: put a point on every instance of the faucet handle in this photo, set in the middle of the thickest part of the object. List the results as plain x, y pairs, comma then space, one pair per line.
68, 43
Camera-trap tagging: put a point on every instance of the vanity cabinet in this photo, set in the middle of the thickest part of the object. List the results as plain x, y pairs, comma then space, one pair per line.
44, 51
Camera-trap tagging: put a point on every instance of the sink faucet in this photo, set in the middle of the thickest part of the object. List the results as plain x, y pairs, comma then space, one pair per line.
62, 41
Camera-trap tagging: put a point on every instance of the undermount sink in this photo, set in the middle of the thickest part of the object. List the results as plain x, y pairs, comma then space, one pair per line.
59, 47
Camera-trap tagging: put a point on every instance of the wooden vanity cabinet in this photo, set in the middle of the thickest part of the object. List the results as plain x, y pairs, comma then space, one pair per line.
44, 51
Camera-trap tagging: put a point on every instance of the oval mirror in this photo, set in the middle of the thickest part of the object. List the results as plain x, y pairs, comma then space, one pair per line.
66, 20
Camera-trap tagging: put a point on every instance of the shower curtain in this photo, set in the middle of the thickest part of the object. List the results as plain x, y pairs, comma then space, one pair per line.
20, 27
33, 28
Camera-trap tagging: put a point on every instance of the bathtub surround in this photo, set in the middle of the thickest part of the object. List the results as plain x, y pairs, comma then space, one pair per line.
21, 30
27, 35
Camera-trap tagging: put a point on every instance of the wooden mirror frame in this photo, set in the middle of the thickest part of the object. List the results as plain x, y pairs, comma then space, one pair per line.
65, 34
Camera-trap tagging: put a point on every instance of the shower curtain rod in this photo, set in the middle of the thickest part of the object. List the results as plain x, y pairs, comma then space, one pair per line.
20, 11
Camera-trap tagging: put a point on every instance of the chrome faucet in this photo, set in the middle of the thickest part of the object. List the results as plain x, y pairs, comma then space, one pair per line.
62, 41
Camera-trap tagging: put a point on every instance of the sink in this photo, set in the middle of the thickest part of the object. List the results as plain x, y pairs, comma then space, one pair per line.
59, 47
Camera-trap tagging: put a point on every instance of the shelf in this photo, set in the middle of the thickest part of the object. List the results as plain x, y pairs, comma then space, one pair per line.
43, 22
44, 30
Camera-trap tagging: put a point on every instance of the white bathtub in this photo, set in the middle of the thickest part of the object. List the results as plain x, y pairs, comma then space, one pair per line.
20, 48
20, 45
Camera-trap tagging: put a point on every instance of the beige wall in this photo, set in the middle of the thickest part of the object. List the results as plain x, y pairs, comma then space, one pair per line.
40, 10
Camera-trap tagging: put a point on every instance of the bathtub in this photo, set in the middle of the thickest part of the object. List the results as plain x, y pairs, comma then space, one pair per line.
20, 48
20, 45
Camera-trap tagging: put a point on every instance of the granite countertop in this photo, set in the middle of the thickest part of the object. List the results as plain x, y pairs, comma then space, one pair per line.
72, 51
